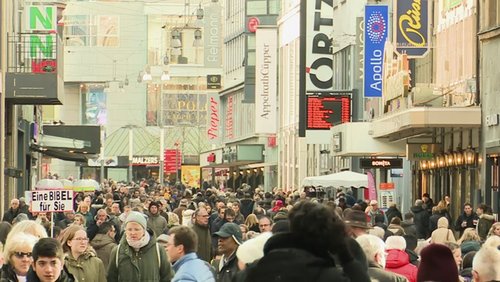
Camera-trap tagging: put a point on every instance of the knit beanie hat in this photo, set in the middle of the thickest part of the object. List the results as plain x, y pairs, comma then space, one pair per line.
437, 264
136, 217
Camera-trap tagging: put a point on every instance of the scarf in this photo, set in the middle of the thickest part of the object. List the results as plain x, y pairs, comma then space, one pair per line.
139, 243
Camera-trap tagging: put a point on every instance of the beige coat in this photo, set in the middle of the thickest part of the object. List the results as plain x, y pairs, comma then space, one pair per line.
442, 234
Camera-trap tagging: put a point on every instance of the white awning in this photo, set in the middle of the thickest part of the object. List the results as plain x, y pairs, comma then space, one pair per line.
422, 120
60, 142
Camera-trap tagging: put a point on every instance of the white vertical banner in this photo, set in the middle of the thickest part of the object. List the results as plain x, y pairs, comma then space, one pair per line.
212, 35
266, 79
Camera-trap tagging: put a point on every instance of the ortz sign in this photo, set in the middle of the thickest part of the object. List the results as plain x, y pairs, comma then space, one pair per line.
419, 152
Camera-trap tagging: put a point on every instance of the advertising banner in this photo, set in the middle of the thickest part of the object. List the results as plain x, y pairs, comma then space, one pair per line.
191, 175
95, 109
266, 78
411, 26
376, 29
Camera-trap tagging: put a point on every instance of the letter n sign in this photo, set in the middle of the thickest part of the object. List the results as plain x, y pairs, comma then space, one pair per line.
41, 22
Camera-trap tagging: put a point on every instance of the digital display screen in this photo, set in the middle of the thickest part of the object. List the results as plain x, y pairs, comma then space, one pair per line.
325, 111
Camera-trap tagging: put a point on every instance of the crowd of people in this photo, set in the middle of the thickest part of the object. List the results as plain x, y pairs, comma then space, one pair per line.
149, 232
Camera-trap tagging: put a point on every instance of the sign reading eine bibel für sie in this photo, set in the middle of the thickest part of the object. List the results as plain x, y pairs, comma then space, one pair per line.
51, 201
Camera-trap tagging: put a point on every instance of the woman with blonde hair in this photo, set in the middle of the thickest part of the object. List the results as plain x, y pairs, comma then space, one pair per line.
17, 255
84, 209
81, 259
80, 220
470, 241
252, 223
494, 230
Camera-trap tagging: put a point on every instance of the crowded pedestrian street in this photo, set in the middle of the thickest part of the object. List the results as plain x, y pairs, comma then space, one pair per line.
249, 141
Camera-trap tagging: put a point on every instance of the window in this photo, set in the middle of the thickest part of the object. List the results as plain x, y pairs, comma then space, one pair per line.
274, 7
256, 7
85, 30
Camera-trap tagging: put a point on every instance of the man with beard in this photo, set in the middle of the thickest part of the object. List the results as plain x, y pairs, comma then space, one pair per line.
229, 239
200, 227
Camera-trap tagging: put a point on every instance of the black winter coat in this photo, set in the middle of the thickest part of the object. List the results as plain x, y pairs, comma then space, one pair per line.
286, 260
421, 221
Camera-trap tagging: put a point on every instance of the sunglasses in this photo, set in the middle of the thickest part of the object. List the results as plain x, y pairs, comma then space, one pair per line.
22, 254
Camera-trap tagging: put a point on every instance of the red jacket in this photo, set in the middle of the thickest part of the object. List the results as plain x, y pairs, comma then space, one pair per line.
399, 262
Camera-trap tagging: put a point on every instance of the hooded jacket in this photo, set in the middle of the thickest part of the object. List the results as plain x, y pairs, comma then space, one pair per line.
88, 267
103, 245
142, 265
442, 234
398, 261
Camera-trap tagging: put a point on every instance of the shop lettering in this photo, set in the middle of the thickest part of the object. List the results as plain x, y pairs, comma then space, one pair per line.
376, 63
321, 44
264, 72
214, 119
423, 155
410, 25
213, 32
381, 163
145, 160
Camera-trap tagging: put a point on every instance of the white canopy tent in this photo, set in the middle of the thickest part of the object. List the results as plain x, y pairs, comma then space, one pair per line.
343, 178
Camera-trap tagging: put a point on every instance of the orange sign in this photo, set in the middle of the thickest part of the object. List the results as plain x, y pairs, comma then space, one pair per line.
387, 186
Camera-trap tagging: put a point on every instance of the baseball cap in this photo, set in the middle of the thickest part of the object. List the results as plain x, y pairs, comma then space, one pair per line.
230, 230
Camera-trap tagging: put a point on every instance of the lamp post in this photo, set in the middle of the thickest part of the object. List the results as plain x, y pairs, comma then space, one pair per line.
130, 151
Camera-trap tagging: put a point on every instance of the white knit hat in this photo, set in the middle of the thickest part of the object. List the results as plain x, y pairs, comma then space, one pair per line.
253, 249
395, 242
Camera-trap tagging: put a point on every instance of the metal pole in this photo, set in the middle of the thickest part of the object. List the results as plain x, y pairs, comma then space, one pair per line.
102, 153
161, 157
130, 152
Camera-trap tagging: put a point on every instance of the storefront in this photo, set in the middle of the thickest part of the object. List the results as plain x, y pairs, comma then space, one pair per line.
117, 168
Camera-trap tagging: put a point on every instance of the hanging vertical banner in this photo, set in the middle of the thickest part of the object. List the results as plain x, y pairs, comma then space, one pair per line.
376, 28
212, 34
411, 26
316, 58
213, 118
266, 77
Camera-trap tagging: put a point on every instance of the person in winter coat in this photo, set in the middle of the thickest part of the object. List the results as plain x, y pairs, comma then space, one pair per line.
374, 249
466, 272
421, 220
138, 257
12, 212
17, 255
392, 212
469, 241
437, 212
104, 242
486, 220
442, 234
305, 253
181, 250
155, 221
81, 259
398, 260
468, 219
408, 225
395, 227
229, 238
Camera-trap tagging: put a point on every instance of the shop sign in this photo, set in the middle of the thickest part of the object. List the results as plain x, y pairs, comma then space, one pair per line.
386, 185
395, 79
369, 163
419, 152
266, 78
213, 126
253, 24
145, 161
229, 118
172, 160
213, 81
412, 27
212, 34
376, 30
210, 158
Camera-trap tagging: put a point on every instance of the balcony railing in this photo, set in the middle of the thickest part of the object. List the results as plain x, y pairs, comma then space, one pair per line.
39, 52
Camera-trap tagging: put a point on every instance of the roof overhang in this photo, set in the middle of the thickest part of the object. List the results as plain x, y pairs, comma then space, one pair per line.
421, 121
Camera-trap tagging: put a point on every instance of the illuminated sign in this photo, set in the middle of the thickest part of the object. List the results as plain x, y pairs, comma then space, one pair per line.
412, 27
376, 27
323, 112
380, 163
145, 160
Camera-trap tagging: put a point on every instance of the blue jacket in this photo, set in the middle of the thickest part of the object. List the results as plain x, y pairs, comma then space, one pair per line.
191, 268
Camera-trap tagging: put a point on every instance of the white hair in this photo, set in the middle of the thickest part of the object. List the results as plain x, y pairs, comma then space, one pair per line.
486, 262
395, 242
372, 245
377, 231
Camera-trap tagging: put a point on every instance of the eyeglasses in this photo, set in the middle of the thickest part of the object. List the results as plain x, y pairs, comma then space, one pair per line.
22, 254
81, 239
